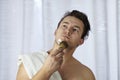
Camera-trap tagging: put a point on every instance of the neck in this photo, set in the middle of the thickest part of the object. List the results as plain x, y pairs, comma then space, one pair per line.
68, 55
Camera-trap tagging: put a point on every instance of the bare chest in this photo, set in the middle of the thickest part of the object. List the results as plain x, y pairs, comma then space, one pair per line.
72, 74
72, 77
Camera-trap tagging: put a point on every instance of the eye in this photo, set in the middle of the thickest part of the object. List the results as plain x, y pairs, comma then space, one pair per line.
75, 29
64, 26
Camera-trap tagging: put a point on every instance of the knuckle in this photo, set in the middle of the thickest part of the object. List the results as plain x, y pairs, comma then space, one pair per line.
54, 58
51, 55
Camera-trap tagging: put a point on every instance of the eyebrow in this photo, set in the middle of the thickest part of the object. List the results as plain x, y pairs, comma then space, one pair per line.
74, 26
66, 22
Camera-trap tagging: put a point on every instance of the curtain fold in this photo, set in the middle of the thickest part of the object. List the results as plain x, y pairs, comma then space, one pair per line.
101, 40
11, 22
118, 38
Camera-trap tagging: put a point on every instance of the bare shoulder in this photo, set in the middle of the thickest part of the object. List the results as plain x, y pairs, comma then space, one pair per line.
87, 72
21, 74
83, 71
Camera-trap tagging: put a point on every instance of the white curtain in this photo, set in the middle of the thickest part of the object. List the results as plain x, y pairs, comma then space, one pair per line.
27, 26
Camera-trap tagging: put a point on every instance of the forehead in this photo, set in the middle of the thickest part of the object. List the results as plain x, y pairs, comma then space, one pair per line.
73, 20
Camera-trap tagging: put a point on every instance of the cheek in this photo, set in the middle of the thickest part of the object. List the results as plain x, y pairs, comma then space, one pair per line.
57, 33
76, 36
76, 39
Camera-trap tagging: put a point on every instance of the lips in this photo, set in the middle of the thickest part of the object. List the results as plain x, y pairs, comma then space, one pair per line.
66, 37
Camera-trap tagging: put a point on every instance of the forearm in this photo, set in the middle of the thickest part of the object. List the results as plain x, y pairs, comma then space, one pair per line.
42, 75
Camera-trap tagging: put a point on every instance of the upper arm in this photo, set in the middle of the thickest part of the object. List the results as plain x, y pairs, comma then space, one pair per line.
22, 74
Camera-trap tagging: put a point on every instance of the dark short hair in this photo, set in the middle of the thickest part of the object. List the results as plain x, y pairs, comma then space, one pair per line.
81, 16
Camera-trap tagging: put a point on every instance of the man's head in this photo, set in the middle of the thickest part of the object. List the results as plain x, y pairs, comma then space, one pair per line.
81, 16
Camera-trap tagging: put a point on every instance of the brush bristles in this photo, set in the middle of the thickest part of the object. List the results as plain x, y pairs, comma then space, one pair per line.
63, 44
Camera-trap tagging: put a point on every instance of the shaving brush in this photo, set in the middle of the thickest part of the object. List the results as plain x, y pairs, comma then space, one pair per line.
62, 44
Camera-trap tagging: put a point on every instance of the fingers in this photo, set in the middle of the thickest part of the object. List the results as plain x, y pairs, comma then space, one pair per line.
56, 52
59, 58
59, 55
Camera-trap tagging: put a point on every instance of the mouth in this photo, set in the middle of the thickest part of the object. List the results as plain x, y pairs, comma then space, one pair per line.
66, 37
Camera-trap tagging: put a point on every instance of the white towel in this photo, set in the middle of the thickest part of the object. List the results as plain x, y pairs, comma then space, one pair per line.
33, 62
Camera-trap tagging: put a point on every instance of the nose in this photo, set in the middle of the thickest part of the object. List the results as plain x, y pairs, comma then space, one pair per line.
68, 31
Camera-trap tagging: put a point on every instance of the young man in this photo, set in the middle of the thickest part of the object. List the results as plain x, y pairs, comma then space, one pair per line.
58, 63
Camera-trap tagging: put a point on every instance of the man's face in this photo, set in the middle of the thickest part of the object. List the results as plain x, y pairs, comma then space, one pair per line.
70, 30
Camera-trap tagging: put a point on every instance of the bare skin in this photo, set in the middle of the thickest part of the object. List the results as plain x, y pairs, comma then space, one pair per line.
70, 30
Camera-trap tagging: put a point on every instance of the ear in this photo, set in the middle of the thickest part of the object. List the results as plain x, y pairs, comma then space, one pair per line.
81, 41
